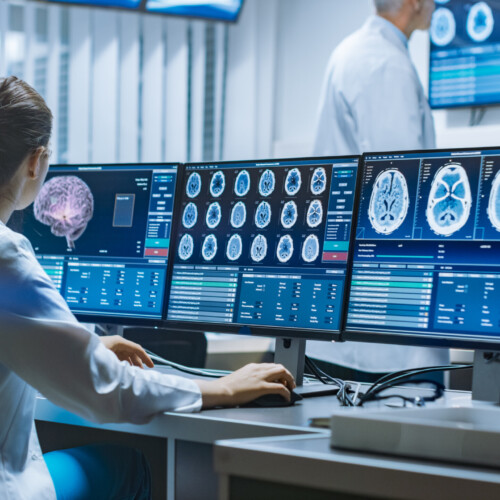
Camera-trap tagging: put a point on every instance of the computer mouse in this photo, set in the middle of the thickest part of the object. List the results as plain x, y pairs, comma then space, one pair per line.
273, 401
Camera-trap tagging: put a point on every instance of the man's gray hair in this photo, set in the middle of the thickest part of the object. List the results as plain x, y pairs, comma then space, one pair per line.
390, 6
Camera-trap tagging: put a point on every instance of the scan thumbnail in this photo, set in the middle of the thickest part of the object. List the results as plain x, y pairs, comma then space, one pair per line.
289, 214
493, 209
234, 247
242, 183
315, 213
267, 183
190, 215
258, 250
285, 248
186, 247
318, 181
263, 215
214, 215
193, 186
310, 248
293, 182
217, 184
389, 201
65, 203
238, 215
209, 247
450, 200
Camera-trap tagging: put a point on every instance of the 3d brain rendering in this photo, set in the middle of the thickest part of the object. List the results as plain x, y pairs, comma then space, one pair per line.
450, 200
493, 209
389, 201
65, 203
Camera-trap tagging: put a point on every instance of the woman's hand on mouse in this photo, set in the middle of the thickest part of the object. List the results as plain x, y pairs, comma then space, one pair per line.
246, 384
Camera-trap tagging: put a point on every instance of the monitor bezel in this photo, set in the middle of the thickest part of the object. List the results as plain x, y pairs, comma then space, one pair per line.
411, 338
116, 319
256, 330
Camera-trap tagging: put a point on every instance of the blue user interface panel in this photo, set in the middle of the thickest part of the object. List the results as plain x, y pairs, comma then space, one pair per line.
263, 244
221, 10
465, 53
102, 233
427, 248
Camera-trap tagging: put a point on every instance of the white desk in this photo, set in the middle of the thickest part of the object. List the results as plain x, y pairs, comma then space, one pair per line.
304, 467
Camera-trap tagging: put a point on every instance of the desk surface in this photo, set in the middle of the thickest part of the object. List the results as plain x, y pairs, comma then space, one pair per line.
308, 461
225, 423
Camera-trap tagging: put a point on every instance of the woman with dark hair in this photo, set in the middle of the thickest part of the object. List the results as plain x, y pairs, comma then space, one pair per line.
44, 348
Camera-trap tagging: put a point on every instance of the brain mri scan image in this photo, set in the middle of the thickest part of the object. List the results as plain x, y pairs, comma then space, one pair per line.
242, 183
190, 215
193, 186
389, 201
293, 182
238, 215
443, 27
493, 209
258, 249
450, 200
267, 183
214, 215
289, 214
209, 247
186, 247
263, 214
217, 184
285, 248
310, 248
65, 203
318, 181
234, 247
480, 22
315, 213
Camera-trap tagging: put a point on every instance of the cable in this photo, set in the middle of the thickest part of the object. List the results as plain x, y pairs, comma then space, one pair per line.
202, 372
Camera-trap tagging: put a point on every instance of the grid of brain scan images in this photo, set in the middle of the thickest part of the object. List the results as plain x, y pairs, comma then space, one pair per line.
427, 250
238, 220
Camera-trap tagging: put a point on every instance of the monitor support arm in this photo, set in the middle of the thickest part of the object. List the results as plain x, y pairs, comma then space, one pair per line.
486, 376
291, 353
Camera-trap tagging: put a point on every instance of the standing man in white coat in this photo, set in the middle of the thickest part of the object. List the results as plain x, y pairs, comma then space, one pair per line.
372, 100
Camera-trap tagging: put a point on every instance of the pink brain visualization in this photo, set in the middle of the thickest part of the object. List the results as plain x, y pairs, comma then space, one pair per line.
65, 203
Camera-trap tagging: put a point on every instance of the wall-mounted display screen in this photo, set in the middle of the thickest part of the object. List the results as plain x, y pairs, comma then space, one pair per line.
263, 245
102, 233
465, 53
222, 10
426, 262
212, 10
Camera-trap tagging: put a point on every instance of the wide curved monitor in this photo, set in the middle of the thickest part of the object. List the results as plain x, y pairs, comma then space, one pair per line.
102, 233
261, 247
464, 53
426, 255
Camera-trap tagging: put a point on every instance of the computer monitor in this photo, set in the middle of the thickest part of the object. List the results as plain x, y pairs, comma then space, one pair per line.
261, 248
102, 233
426, 255
464, 50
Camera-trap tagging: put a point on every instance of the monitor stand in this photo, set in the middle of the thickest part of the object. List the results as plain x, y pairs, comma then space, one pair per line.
486, 376
291, 353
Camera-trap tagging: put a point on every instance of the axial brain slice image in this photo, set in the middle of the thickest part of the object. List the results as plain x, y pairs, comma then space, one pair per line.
259, 248
65, 203
450, 200
293, 182
389, 201
493, 209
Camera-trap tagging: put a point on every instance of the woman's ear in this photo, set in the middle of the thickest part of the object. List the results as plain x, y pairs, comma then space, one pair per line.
34, 167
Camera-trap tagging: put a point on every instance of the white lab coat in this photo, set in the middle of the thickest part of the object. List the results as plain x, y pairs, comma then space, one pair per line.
43, 347
372, 100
